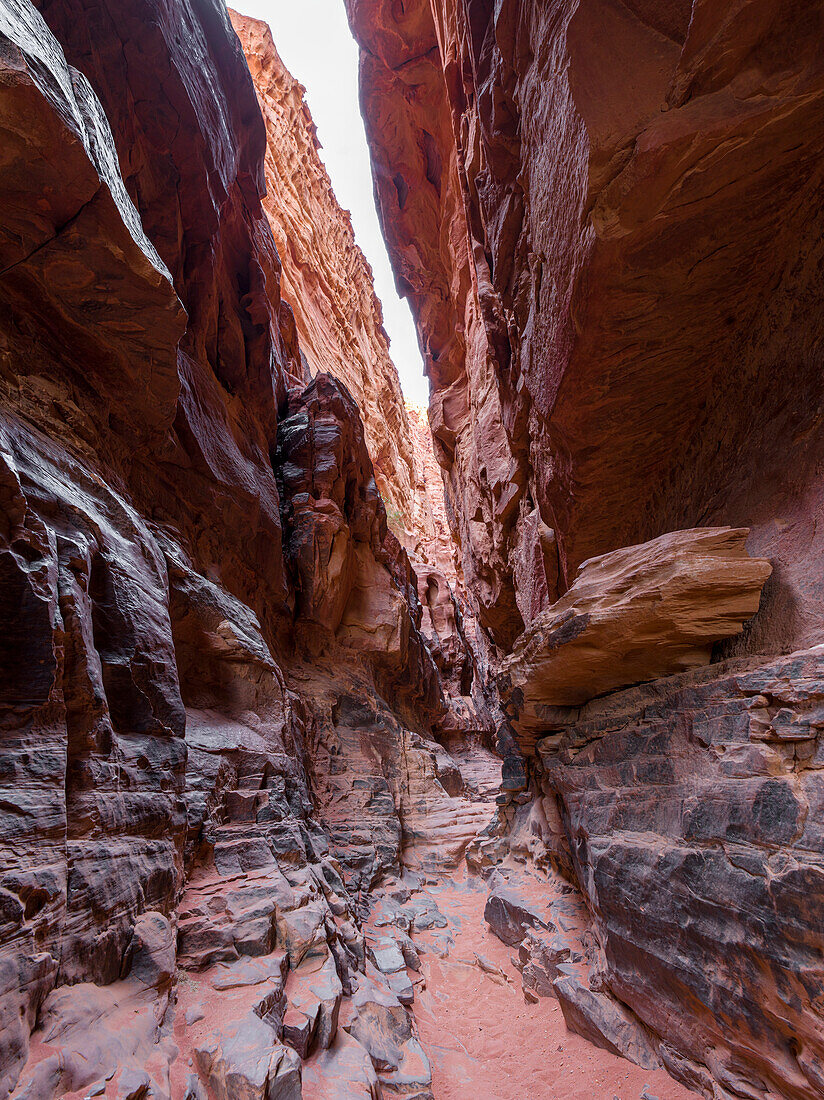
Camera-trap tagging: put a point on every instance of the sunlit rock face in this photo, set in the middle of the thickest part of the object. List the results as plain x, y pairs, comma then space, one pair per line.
607, 219
339, 322
325, 277
436, 547
328, 282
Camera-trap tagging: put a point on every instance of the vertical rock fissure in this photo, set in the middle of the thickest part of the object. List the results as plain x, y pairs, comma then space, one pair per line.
350, 749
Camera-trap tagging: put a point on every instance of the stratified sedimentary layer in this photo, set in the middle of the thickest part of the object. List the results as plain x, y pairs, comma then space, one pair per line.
688, 810
607, 217
636, 614
236, 717
201, 596
436, 547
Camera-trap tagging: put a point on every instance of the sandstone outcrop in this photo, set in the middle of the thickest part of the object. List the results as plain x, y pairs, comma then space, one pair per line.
636, 614
605, 271
607, 220
435, 548
202, 600
244, 726
325, 276
686, 810
328, 282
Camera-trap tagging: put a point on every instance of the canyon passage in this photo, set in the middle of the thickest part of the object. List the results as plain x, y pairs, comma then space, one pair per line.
351, 750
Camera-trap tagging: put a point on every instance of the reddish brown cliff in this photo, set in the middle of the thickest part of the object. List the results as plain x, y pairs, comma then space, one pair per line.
216, 701
242, 732
609, 274
326, 278
436, 547
607, 217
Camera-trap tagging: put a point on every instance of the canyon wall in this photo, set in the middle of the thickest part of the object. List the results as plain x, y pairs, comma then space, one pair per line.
437, 547
600, 267
217, 704
325, 277
243, 721
607, 217
328, 282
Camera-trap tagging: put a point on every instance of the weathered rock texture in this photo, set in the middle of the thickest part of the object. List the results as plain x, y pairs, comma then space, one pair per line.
607, 217
326, 278
227, 697
636, 614
339, 322
216, 703
328, 282
436, 547
688, 812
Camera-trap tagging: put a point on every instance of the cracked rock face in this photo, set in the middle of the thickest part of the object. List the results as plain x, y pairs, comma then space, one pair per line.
244, 725
636, 614
606, 218
688, 815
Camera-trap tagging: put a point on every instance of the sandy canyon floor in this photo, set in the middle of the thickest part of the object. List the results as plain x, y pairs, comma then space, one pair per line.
486, 1042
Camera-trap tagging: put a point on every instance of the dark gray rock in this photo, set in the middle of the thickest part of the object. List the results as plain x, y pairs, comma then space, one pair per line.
604, 1021
509, 912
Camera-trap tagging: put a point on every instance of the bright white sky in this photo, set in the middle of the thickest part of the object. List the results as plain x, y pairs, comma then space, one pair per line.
314, 40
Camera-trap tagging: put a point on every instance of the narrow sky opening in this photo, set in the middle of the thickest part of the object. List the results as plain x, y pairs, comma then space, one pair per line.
314, 40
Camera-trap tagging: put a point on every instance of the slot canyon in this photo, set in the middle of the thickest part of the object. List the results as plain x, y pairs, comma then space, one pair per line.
351, 750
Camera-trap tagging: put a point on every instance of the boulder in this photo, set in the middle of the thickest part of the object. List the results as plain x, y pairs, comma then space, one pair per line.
151, 956
314, 994
246, 1062
343, 1072
509, 912
387, 956
603, 1020
380, 1023
636, 614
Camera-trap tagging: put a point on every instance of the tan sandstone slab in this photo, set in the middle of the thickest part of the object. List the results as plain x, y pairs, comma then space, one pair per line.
637, 614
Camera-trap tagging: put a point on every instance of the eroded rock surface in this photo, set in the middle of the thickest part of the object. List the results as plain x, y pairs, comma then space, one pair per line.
436, 548
636, 614
328, 282
686, 812
326, 278
607, 220
245, 736
204, 607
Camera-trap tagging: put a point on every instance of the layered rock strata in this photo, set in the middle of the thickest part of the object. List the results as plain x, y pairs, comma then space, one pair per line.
233, 715
328, 282
607, 219
636, 614
685, 811
216, 703
436, 549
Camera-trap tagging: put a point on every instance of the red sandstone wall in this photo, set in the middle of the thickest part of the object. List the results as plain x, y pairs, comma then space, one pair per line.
614, 277
197, 582
325, 276
607, 217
